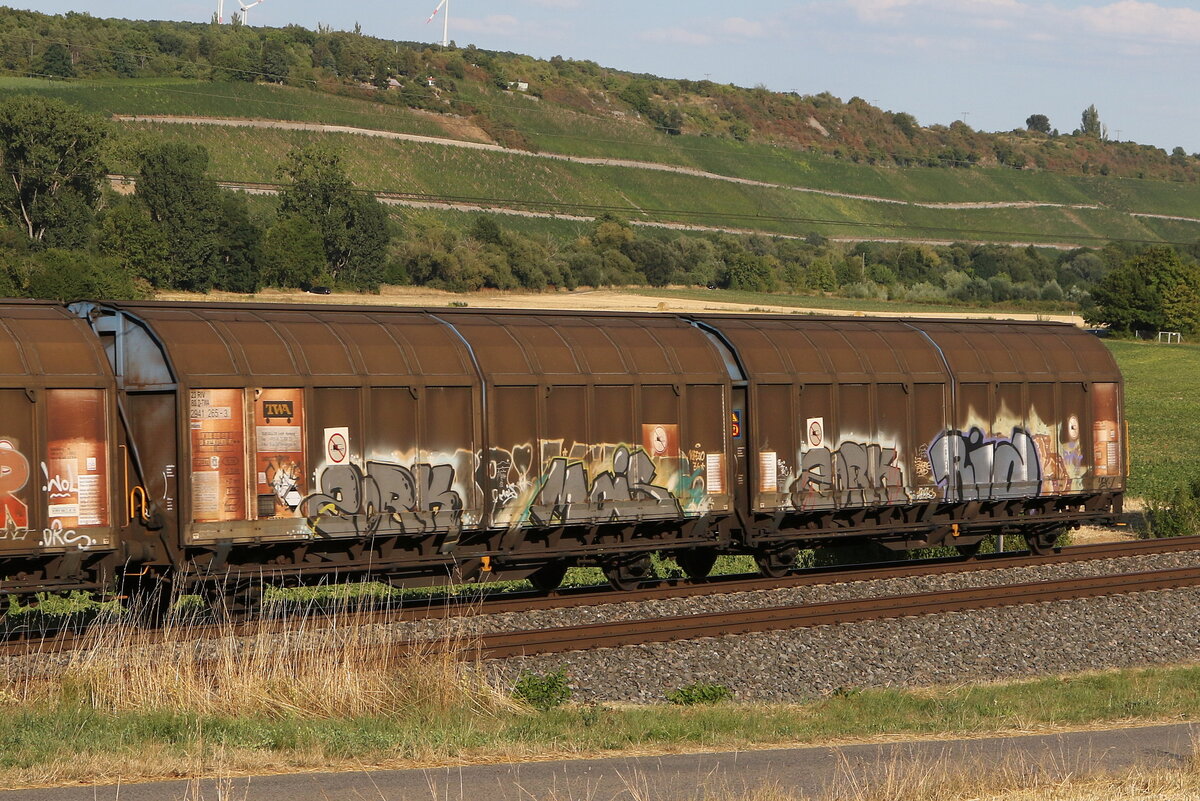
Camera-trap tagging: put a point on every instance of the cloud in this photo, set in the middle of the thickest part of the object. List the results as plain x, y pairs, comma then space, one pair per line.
493, 23
556, 3
880, 10
708, 32
677, 36
1125, 20
1132, 19
744, 28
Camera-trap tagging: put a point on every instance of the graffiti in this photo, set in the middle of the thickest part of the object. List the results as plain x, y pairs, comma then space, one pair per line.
580, 482
854, 474
505, 474
14, 475
626, 491
285, 482
56, 536
385, 498
970, 466
58, 487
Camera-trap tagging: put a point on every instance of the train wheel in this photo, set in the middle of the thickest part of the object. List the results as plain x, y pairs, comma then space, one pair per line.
234, 600
150, 598
696, 563
1042, 543
776, 564
969, 550
547, 577
628, 575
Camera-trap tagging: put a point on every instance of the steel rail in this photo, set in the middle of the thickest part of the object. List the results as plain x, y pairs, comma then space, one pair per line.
746, 621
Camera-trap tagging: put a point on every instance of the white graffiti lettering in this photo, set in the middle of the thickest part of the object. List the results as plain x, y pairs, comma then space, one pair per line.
58, 537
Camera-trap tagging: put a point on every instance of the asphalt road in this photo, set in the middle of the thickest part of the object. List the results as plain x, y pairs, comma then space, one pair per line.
684, 777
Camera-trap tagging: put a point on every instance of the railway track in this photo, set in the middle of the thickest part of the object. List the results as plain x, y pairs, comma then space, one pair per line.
40, 641
746, 621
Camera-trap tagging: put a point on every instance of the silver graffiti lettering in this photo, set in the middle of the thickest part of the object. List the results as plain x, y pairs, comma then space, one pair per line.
628, 490
969, 466
855, 474
386, 498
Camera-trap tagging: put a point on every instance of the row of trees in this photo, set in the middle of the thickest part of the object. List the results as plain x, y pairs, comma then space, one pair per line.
179, 230
614, 253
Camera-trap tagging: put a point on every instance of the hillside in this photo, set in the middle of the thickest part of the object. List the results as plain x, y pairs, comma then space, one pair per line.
717, 184
499, 171
527, 103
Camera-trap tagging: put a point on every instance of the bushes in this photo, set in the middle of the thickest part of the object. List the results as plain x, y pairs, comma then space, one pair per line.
699, 693
1176, 512
543, 691
71, 275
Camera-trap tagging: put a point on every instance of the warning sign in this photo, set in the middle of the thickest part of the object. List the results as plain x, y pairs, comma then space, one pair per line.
337, 445
816, 432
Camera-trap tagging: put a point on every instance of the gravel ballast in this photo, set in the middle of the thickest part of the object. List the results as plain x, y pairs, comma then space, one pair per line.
480, 622
991, 644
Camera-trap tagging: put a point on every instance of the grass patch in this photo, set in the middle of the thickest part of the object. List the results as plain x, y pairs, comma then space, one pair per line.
1162, 404
70, 727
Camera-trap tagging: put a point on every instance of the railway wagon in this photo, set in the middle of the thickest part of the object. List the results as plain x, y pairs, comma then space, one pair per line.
243, 442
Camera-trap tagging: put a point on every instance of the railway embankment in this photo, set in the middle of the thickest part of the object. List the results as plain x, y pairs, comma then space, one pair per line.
1028, 640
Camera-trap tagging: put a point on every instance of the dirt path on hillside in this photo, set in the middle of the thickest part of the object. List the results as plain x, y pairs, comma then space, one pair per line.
606, 162
125, 185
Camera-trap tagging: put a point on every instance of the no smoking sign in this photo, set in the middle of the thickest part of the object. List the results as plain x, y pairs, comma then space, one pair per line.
337, 445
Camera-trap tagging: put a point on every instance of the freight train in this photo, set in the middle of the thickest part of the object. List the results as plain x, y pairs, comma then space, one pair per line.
208, 447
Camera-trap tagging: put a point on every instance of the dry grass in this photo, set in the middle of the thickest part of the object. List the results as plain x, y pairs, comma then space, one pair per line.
322, 669
1054, 778
131, 704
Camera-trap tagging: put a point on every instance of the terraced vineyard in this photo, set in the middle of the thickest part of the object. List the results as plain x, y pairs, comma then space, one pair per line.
1052, 208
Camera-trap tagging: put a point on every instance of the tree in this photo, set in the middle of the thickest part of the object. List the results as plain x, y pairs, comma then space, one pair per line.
1038, 122
653, 259
276, 61
354, 227
906, 124
240, 255
1091, 123
1155, 290
52, 162
56, 62
293, 254
186, 204
72, 274
129, 237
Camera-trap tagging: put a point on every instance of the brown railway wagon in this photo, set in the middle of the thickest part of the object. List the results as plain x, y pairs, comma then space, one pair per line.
923, 432
59, 463
300, 442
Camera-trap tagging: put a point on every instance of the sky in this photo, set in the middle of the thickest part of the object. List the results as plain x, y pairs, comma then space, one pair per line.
990, 63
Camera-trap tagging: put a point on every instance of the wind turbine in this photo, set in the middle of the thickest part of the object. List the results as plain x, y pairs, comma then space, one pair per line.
220, 11
445, 20
246, 9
